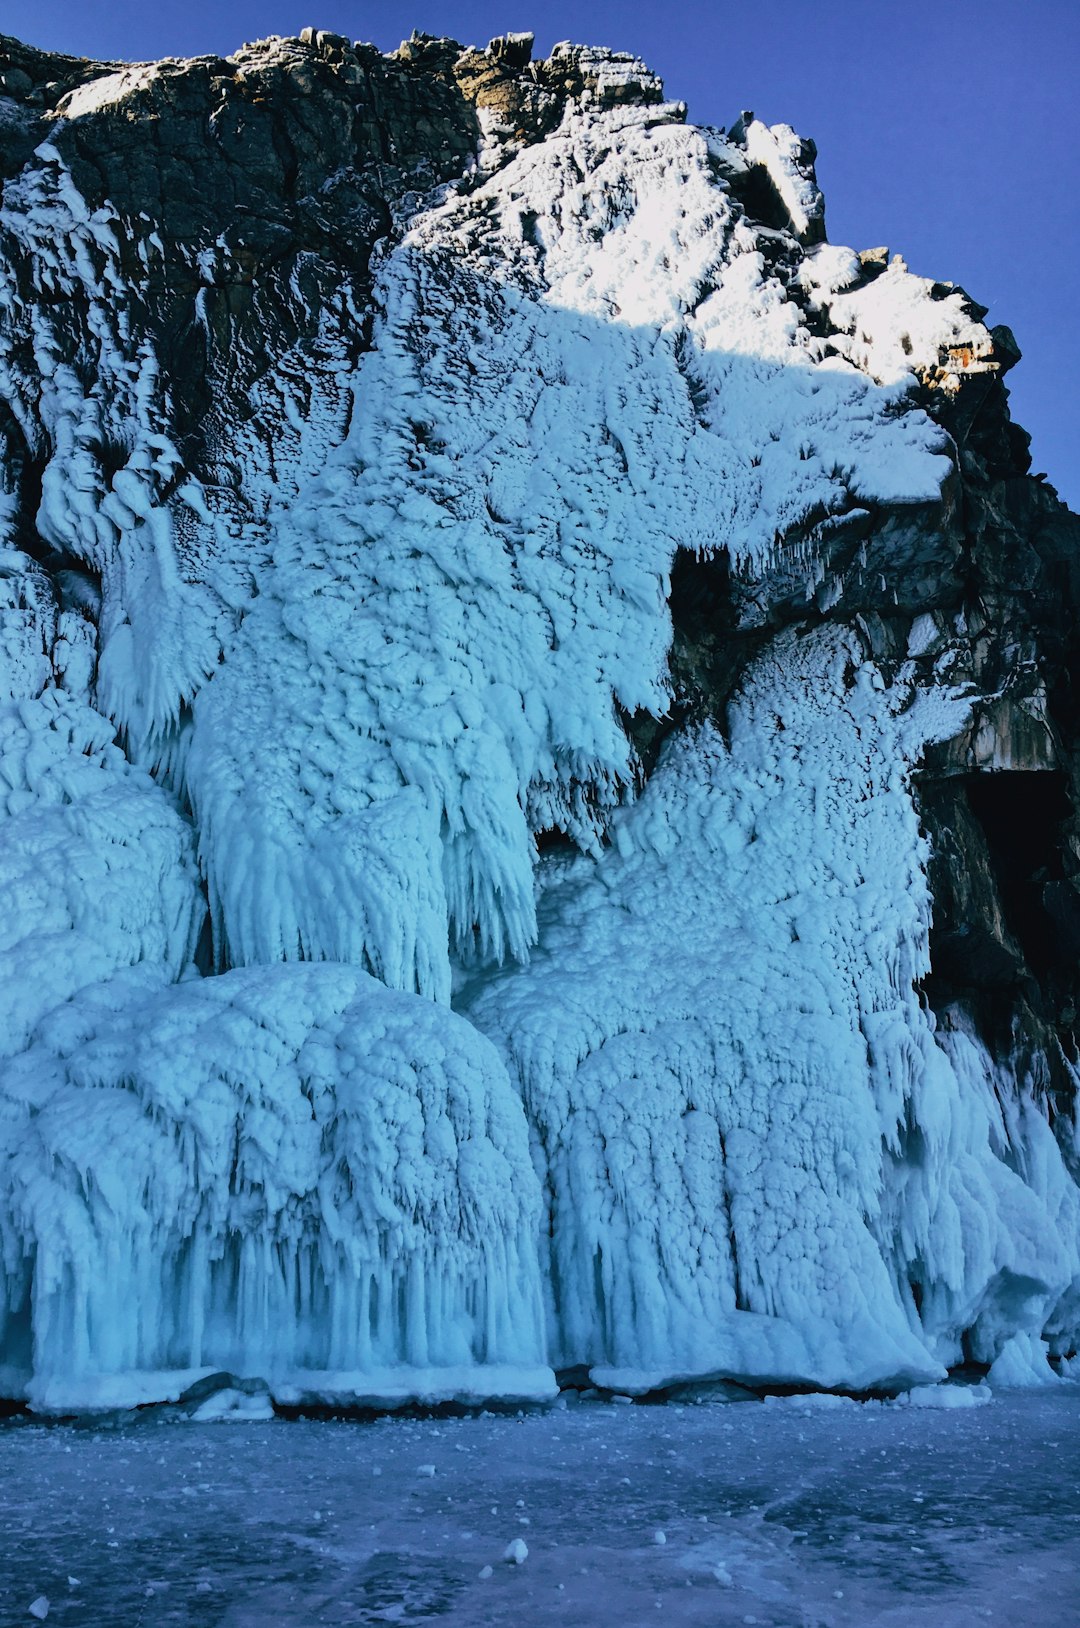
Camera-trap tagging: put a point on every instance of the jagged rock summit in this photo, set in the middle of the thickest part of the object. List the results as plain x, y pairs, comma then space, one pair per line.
538, 752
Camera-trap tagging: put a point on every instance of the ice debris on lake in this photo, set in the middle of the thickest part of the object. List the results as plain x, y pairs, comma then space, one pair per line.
700, 1121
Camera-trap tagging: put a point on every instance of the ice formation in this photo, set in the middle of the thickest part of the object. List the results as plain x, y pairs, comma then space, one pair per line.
97, 864
313, 677
727, 1127
279, 1169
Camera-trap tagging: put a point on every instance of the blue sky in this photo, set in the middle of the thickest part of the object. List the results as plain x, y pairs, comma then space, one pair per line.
946, 129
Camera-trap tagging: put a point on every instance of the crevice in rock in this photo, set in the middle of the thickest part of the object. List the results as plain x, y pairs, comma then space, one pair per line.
756, 191
709, 650
1006, 919
1021, 816
23, 472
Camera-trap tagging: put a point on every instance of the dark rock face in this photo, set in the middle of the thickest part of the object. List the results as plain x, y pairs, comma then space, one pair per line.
270, 177
1000, 801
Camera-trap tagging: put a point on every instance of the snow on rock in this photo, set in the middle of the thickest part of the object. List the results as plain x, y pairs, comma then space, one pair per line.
896, 323
273, 1170
106, 91
788, 161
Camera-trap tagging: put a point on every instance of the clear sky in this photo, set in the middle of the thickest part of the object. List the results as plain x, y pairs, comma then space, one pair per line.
946, 129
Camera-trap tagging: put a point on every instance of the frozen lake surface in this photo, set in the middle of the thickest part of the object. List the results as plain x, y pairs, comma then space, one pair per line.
787, 1513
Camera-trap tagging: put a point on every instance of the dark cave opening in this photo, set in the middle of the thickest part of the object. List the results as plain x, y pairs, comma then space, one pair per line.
710, 648
1021, 813
24, 473
554, 840
701, 599
757, 193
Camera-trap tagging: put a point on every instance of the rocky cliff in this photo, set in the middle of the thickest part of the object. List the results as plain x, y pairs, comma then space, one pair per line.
538, 745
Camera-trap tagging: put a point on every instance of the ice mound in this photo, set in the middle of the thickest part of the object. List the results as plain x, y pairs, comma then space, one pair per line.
275, 1170
726, 1120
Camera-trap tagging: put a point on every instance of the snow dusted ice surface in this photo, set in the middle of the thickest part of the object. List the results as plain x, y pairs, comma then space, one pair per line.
840, 1516
690, 1115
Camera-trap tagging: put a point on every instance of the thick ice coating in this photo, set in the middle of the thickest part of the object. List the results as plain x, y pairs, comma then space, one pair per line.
280, 1169
350, 674
726, 1122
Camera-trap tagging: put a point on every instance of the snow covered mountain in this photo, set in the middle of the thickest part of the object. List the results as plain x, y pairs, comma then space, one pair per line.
537, 750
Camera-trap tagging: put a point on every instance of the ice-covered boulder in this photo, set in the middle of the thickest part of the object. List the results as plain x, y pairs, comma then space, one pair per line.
275, 1171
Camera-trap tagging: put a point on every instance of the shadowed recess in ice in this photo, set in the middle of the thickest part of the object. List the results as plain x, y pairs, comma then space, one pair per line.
277, 1169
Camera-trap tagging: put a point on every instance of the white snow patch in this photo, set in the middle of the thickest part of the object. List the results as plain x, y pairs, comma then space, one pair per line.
107, 91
